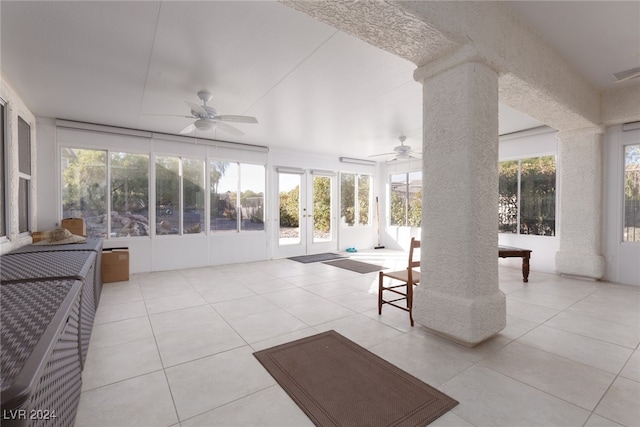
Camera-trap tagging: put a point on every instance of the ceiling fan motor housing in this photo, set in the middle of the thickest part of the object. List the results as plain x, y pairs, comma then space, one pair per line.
205, 95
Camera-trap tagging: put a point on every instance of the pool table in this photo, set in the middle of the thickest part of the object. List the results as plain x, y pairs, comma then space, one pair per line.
511, 252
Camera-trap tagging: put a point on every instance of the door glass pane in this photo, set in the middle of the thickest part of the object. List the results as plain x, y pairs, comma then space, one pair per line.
224, 196
321, 209
193, 195
84, 188
398, 197
167, 195
538, 196
508, 197
348, 198
129, 194
252, 184
364, 199
631, 230
289, 197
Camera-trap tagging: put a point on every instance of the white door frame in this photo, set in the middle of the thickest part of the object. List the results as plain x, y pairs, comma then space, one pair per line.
305, 243
622, 257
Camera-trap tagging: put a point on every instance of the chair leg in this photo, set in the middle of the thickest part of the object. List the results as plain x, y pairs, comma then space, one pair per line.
410, 301
380, 279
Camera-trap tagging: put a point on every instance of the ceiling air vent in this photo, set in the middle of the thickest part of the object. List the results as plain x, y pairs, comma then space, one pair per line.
623, 76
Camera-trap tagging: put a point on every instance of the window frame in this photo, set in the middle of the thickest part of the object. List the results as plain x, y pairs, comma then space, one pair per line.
108, 152
27, 177
356, 199
238, 195
624, 200
407, 205
4, 212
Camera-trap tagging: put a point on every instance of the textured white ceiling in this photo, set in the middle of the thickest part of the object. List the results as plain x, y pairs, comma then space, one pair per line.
311, 87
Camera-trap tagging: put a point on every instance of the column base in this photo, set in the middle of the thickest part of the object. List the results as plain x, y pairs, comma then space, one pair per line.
467, 321
580, 264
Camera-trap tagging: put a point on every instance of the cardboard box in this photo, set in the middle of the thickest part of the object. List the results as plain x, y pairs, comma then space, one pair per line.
115, 265
75, 226
37, 236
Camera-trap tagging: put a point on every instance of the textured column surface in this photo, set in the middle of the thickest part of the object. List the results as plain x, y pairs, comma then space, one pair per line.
580, 184
458, 296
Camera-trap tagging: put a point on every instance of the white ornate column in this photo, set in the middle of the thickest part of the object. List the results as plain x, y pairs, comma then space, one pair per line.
458, 296
580, 187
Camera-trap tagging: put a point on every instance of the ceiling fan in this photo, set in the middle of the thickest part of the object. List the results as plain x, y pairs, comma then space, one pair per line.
207, 118
401, 152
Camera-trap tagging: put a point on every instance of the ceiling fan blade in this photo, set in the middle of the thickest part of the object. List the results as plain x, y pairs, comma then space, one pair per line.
197, 108
210, 110
236, 119
169, 115
383, 154
629, 77
228, 128
188, 129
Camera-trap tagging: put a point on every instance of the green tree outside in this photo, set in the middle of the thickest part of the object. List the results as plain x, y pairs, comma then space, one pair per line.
322, 203
289, 208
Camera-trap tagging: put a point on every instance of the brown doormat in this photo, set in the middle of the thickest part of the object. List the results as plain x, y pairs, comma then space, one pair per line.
357, 266
306, 259
336, 382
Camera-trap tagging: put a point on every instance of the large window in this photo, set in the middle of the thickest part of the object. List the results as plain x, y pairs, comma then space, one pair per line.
237, 196
364, 199
3, 179
129, 194
355, 199
84, 188
84, 191
508, 196
631, 226
192, 196
24, 175
406, 199
167, 195
527, 196
252, 186
111, 190
224, 178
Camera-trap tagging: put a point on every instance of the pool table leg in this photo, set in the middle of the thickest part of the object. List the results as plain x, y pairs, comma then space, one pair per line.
525, 268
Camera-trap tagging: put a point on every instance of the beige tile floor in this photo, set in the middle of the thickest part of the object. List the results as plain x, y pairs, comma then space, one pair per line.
175, 348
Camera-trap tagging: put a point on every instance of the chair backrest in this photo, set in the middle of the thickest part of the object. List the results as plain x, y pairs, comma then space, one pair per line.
415, 244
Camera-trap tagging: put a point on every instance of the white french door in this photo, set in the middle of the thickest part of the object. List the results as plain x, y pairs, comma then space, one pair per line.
307, 212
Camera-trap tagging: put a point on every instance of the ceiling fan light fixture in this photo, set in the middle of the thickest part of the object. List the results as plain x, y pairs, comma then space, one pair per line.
204, 124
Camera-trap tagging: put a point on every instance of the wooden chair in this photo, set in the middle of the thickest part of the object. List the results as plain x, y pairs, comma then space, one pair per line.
409, 278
